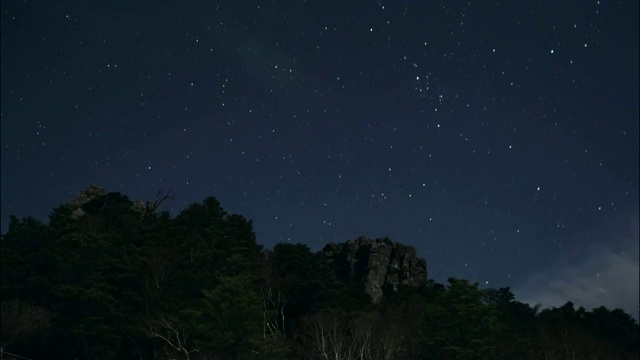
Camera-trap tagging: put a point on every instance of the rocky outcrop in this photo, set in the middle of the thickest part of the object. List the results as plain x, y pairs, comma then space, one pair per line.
88, 194
382, 265
93, 192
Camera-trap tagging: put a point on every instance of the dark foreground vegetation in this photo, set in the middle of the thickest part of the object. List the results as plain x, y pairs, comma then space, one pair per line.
117, 282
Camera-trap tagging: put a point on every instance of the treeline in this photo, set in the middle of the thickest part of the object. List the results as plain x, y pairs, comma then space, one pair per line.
117, 283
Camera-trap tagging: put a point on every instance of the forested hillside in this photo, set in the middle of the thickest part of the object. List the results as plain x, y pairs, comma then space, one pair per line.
121, 281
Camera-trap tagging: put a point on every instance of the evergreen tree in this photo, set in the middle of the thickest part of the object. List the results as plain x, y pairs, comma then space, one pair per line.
459, 324
115, 281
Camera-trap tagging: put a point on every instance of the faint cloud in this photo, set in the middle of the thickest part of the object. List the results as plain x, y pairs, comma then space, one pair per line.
606, 272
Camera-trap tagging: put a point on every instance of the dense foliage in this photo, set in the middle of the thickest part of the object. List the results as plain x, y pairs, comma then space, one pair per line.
117, 283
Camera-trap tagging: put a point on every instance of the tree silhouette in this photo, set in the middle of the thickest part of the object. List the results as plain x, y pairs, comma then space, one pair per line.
114, 282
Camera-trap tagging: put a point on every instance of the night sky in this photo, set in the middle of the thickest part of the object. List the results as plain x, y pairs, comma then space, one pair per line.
498, 138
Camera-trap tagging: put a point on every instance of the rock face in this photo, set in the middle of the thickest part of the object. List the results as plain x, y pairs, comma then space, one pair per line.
89, 193
93, 192
383, 265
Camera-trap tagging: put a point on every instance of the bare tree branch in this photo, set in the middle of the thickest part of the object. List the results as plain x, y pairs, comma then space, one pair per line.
153, 205
172, 336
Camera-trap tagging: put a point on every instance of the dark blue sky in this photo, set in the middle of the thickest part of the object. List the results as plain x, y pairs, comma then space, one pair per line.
499, 138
